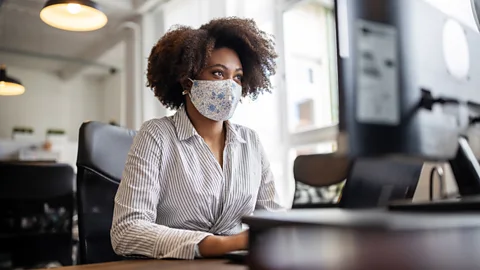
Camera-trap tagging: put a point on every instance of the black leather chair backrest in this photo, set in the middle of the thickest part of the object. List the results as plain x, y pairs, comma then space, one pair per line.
102, 152
36, 210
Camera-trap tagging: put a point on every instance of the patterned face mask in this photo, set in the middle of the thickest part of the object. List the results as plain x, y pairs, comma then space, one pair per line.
216, 100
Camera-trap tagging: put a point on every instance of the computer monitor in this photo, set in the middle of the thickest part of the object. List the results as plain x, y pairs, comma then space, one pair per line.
409, 84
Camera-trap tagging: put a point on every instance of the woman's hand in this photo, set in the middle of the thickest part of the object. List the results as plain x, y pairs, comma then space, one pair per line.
214, 245
241, 241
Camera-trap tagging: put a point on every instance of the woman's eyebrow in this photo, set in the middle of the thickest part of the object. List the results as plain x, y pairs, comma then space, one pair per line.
218, 65
224, 67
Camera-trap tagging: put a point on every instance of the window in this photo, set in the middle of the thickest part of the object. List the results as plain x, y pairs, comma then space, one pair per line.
306, 29
305, 113
310, 75
318, 148
309, 65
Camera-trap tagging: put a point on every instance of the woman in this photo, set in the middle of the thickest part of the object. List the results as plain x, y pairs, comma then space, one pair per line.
190, 178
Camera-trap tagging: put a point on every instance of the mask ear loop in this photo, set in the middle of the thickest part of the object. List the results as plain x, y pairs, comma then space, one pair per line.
185, 92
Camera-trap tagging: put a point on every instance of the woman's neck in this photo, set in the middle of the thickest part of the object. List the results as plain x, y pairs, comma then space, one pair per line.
211, 131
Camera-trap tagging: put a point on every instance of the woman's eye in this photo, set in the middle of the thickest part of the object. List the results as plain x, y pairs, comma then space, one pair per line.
218, 73
239, 77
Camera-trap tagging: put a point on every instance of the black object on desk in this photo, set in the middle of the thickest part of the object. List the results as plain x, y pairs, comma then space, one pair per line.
463, 204
237, 257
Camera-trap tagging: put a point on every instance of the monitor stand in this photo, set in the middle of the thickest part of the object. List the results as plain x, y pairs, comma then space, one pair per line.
466, 171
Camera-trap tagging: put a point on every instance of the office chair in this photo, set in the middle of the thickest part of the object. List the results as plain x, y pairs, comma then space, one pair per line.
36, 209
316, 175
369, 182
102, 152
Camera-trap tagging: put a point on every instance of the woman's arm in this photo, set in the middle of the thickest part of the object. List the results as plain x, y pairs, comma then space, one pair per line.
213, 246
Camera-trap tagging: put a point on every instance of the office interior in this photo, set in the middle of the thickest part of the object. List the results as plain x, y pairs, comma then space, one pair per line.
72, 77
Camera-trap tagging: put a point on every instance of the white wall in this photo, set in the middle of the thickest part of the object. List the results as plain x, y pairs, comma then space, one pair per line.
113, 98
459, 9
49, 102
152, 29
179, 12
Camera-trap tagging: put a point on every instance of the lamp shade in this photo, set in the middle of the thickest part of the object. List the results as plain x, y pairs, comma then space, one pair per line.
73, 15
8, 85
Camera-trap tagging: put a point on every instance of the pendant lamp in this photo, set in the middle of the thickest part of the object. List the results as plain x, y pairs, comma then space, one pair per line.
73, 15
8, 85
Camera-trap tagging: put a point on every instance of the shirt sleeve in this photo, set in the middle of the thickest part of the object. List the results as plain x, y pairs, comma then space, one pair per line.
134, 230
268, 197
197, 252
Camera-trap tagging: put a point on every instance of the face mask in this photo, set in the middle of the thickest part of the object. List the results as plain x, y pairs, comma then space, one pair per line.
216, 100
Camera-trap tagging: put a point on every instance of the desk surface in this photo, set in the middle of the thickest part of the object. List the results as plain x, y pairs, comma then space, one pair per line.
352, 249
160, 264
355, 219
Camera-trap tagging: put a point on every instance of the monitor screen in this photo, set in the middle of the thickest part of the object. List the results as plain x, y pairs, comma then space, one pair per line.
392, 56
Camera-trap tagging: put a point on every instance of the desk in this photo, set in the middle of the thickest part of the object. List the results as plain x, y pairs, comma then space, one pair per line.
355, 219
363, 239
303, 248
160, 264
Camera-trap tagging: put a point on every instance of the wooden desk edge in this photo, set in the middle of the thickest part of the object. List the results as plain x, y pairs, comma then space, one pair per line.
164, 264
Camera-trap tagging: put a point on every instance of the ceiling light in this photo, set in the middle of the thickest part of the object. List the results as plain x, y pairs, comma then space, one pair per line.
73, 15
74, 8
8, 85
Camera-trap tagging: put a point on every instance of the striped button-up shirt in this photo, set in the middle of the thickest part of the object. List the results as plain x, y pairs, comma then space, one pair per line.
174, 192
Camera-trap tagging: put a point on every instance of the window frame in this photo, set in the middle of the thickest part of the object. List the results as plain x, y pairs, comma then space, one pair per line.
308, 136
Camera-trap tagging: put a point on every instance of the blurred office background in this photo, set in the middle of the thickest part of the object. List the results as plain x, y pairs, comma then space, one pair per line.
71, 77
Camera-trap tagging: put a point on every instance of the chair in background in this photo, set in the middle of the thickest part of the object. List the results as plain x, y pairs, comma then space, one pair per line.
102, 152
36, 209
318, 180
369, 182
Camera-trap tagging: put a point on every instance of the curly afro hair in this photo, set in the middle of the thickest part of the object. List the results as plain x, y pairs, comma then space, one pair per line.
183, 52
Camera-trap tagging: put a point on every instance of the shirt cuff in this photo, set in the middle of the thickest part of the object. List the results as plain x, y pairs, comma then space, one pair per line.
197, 252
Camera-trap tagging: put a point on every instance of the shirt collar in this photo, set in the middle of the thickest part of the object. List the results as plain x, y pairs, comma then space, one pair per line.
186, 130
232, 134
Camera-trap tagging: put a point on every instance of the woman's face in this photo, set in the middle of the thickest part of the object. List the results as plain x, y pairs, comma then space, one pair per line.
223, 64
